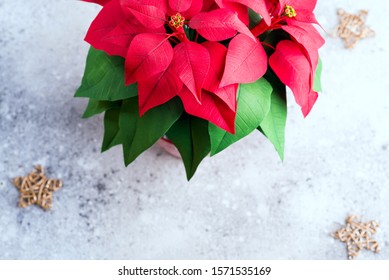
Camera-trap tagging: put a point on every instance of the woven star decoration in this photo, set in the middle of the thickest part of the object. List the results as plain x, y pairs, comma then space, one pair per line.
357, 236
352, 28
35, 188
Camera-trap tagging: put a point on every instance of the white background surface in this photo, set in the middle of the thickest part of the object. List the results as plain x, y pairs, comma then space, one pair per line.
241, 204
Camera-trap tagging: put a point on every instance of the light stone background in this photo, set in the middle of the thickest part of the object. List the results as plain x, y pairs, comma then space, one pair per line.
242, 204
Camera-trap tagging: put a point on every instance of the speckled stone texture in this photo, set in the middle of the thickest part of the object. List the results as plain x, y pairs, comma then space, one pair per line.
242, 204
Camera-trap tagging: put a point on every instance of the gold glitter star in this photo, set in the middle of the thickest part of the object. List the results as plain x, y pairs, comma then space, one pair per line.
352, 28
358, 235
35, 188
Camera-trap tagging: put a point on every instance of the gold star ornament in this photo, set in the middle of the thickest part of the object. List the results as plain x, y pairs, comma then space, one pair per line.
35, 188
358, 236
352, 28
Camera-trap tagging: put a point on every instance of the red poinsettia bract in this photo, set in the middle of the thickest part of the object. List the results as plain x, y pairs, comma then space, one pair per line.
295, 61
201, 50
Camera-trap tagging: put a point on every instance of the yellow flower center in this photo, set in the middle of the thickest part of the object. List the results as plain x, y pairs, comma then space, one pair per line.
290, 11
177, 21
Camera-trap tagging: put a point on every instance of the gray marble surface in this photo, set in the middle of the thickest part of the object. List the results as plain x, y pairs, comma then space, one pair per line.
242, 204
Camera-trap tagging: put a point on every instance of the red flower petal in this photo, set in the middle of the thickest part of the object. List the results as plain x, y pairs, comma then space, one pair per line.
192, 63
158, 89
299, 4
101, 2
211, 109
246, 61
125, 32
303, 33
292, 67
106, 21
194, 9
227, 94
312, 97
242, 10
148, 55
306, 16
208, 5
180, 5
217, 53
219, 25
309, 39
258, 6
149, 16
161, 5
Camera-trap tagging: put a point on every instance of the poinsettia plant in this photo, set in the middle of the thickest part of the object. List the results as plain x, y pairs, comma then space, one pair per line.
204, 73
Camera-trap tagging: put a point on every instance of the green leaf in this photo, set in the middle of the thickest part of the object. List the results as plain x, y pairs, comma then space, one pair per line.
96, 107
317, 82
190, 136
253, 105
104, 78
112, 135
273, 125
254, 18
140, 133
